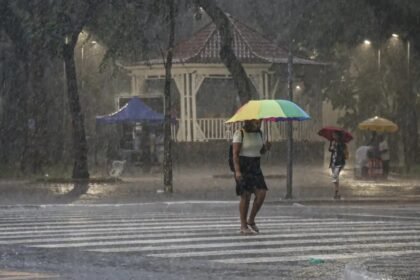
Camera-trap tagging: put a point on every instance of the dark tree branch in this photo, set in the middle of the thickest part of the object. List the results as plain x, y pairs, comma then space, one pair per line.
223, 24
167, 161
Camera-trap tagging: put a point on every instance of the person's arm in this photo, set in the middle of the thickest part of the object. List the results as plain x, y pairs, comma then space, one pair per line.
236, 149
266, 147
383, 148
331, 148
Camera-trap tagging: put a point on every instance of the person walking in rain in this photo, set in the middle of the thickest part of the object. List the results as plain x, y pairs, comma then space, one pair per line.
339, 154
248, 145
384, 153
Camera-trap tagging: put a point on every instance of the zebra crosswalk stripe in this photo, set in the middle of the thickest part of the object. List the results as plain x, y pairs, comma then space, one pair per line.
221, 238
134, 223
292, 249
121, 219
163, 226
284, 238
229, 245
86, 236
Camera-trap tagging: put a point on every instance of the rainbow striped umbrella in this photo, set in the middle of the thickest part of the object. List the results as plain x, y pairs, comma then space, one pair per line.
269, 110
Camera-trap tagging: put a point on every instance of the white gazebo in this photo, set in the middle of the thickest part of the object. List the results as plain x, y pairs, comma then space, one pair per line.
197, 60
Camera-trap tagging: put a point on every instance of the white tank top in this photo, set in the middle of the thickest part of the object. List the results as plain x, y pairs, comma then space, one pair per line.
251, 143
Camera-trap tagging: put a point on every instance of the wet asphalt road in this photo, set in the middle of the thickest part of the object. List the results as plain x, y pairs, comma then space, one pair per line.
310, 183
132, 230
200, 240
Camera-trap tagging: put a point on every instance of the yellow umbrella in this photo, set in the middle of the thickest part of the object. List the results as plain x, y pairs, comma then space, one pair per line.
378, 124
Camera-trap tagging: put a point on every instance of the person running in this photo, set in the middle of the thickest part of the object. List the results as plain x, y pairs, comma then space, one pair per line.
248, 145
338, 151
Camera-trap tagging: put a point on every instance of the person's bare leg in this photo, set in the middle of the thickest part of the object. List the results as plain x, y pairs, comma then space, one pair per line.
243, 208
336, 174
336, 190
256, 206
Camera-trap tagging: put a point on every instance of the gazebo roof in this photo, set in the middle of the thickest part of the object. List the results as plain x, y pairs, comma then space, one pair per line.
249, 47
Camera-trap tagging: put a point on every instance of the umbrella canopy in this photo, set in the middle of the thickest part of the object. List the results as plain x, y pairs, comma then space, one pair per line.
269, 110
378, 124
327, 133
134, 111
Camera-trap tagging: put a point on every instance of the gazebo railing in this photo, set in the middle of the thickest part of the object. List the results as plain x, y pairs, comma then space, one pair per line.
305, 130
216, 129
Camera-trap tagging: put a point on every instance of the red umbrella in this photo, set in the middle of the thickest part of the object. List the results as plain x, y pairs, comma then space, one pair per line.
327, 132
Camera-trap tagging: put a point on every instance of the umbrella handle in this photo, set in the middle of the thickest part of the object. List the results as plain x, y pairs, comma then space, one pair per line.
267, 134
266, 138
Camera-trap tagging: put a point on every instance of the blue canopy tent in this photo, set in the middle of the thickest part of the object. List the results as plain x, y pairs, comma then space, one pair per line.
134, 111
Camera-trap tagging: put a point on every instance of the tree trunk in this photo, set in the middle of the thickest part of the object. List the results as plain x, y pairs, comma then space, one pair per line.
25, 99
36, 108
239, 76
167, 160
13, 125
80, 149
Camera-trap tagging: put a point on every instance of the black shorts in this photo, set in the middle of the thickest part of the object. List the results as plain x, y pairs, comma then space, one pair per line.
252, 176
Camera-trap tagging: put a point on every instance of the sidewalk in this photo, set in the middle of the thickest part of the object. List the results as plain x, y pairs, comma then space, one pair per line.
311, 184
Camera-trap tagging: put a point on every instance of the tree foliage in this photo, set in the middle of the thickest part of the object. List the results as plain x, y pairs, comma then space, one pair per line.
32, 51
334, 31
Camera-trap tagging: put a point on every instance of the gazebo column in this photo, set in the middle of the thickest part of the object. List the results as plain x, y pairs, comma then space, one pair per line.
256, 80
180, 81
188, 85
133, 84
137, 85
266, 84
187, 101
196, 82
261, 83
275, 87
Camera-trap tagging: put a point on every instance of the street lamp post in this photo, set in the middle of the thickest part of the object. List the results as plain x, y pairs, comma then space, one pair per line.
408, 59
411, 123
409, 120
289, 181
